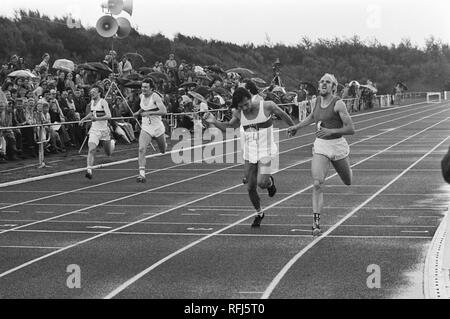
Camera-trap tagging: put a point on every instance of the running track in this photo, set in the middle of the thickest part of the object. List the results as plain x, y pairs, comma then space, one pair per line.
186, 233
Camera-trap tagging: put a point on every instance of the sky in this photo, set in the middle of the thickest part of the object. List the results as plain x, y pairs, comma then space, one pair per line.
263, 21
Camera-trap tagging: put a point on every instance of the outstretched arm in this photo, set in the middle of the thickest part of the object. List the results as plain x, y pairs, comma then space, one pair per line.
235, 121
306, 122
275, 109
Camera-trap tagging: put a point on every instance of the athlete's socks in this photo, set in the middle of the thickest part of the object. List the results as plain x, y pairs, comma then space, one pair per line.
142, 172
89, 170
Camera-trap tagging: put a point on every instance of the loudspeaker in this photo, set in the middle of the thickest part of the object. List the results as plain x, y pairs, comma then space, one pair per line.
124, 28
113, 6
107, 26
128, 6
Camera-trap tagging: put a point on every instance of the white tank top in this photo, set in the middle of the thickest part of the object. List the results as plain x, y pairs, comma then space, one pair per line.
260, 118
149, 104
99, 110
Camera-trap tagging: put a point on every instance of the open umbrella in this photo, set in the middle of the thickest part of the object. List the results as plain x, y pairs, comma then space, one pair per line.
259, 81
214, 68
242, 71
188, 84
64, 65
134, 55
203, 90
146, 69
354, 83
96, 66
370, 87
197, 96
159, 76
221, 91
21, 74
403, 86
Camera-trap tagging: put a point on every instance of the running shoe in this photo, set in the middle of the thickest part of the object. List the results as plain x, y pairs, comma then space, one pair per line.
141, 179
244, 181
272, 190
88, 175
316, 231
258, 219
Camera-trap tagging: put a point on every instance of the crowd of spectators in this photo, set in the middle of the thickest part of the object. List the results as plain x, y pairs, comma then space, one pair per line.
59, 96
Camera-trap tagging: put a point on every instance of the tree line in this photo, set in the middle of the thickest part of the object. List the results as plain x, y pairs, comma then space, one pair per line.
30, 34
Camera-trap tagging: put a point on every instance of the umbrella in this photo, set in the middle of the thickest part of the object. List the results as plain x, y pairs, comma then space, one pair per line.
354, 83
242, 71
199, 70
188, 84
64, 65
203, 90
22, 74
203, 77
95, 66
146, 69
134, 77
214, 68
309, 87
159, 75
133, 84
258, 81
134, 55
197, 96
215, 77
403, 86
220, 91
370, 87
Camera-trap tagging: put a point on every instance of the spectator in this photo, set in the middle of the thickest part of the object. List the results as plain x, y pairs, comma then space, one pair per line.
7, 136
44, 65
69, 83
125, 67
171, 63
61, 84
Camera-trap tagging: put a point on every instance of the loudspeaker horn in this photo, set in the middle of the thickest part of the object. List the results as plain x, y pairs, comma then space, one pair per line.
124, 28
128, 6
107, 26
114, 7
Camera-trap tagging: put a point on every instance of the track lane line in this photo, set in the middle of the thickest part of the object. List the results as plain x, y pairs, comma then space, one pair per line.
135, 278
199, 161
81, 210
213, 194
269, 290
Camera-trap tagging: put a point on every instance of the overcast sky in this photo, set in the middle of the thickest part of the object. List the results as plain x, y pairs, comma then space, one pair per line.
282, 21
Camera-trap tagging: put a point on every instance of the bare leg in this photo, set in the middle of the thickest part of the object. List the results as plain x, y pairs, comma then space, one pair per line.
319, 170
90, 159
161, 141
344, 170
251, 172
144, 140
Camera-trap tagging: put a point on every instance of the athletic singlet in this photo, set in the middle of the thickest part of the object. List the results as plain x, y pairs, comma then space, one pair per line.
99, 111
151, 106
259, 135
328, 117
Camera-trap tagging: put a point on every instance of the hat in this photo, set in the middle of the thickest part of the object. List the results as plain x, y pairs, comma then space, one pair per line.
52, 91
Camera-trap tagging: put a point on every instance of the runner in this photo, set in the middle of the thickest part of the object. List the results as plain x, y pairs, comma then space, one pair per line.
332, 122
99, 113
255, 120
152, 108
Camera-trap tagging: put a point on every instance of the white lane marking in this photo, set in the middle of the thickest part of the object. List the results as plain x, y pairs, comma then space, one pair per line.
289, 265
429, 216
115, 213
214, 208
39, 212
197, 200
300, 230
10, 211
98, 227
181, 250
415, 231
387, 216
8, 225
30, 247
230, 215
199, 229
219, 235
192, 214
